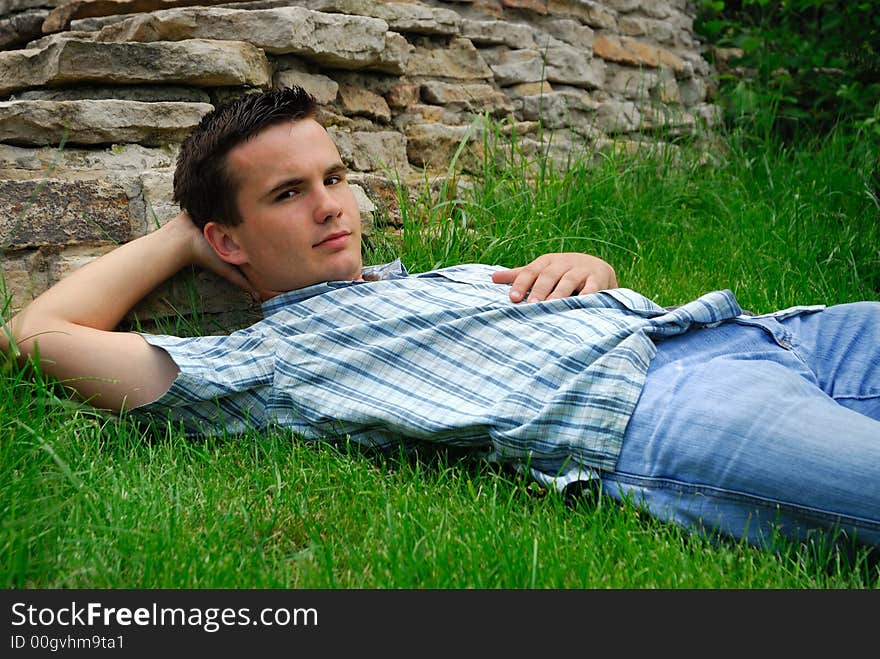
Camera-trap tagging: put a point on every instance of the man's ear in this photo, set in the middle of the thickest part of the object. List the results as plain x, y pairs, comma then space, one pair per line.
220, 238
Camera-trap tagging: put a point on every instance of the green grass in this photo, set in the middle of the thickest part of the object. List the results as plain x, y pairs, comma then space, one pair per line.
91, 501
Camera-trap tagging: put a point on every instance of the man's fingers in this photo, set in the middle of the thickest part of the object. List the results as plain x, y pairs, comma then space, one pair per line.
601, 281
554, 276
505, 276
572, 283
525, 280
521, 279
554, 282
509, 276
592, 285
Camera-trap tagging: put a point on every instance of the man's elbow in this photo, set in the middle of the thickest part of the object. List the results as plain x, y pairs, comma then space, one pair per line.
11, 337
23, 334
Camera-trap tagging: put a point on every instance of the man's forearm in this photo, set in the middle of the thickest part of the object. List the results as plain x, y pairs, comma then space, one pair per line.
101, 293
71, 326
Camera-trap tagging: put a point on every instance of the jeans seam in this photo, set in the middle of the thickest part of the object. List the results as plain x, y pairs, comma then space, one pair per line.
796, 351
734, 496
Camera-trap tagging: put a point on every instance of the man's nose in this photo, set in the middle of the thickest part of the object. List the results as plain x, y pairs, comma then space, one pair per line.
326, 206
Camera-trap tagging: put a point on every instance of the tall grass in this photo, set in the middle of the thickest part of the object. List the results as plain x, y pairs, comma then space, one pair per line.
89, 500
778, 226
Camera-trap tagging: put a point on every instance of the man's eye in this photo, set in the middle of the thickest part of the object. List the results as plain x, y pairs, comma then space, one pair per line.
332, 180
287, 194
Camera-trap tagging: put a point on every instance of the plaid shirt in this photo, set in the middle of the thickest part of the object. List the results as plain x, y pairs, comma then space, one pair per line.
442, 356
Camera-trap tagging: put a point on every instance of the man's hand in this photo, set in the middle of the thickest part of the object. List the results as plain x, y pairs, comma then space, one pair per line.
553, 276
201, 253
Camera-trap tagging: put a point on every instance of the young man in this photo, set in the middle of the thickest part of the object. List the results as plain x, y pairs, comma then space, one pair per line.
706, 415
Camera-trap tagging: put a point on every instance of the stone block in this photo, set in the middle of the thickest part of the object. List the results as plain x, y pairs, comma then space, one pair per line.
35, 213
572, 33
587, 12
615, 116
366, 207
24, 276
433, 145
382, 193
535, 6
632, 83
158, 200
572, 66
394, 58
143, 93
331, 39
626, 50
356, 100
322, 87
513, 67
40, 123
471, 97
514, 35
221, 307
19, 28
91, 162
403, 95
73, 258
367, 151
193, 62
556, 110
460, 60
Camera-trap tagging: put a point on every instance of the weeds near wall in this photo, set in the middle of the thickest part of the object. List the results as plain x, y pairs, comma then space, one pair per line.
804, 66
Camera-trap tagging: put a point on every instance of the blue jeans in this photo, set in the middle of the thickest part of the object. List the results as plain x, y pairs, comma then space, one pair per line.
762, 424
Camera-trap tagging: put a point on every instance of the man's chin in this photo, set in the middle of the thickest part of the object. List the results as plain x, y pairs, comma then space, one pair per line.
345, 267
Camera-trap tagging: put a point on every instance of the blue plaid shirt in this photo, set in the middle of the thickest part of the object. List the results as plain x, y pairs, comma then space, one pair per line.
442, 356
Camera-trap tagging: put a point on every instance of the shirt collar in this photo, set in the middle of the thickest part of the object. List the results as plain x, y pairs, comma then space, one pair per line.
393, 270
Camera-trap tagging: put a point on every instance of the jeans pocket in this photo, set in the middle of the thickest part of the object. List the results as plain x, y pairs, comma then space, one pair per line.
771, 326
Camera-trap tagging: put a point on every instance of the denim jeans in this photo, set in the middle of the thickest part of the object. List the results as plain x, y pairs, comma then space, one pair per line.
761, 425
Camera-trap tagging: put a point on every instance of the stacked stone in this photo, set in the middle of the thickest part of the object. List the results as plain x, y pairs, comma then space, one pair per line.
96, 95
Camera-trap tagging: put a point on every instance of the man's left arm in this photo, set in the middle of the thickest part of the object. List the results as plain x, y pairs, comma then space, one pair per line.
553, 276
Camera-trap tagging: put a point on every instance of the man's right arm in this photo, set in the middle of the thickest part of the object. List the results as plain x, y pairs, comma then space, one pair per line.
70, 328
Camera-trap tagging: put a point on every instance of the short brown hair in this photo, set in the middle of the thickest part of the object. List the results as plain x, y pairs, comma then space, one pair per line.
203, 185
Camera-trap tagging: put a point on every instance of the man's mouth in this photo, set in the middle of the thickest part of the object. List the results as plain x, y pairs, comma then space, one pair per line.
333, 238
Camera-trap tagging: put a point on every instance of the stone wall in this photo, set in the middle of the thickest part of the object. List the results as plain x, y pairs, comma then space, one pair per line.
95, 96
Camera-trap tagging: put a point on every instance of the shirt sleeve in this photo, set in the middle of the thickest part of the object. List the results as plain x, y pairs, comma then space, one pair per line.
222, 384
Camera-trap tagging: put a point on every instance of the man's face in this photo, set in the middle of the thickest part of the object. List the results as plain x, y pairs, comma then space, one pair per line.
301, 221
